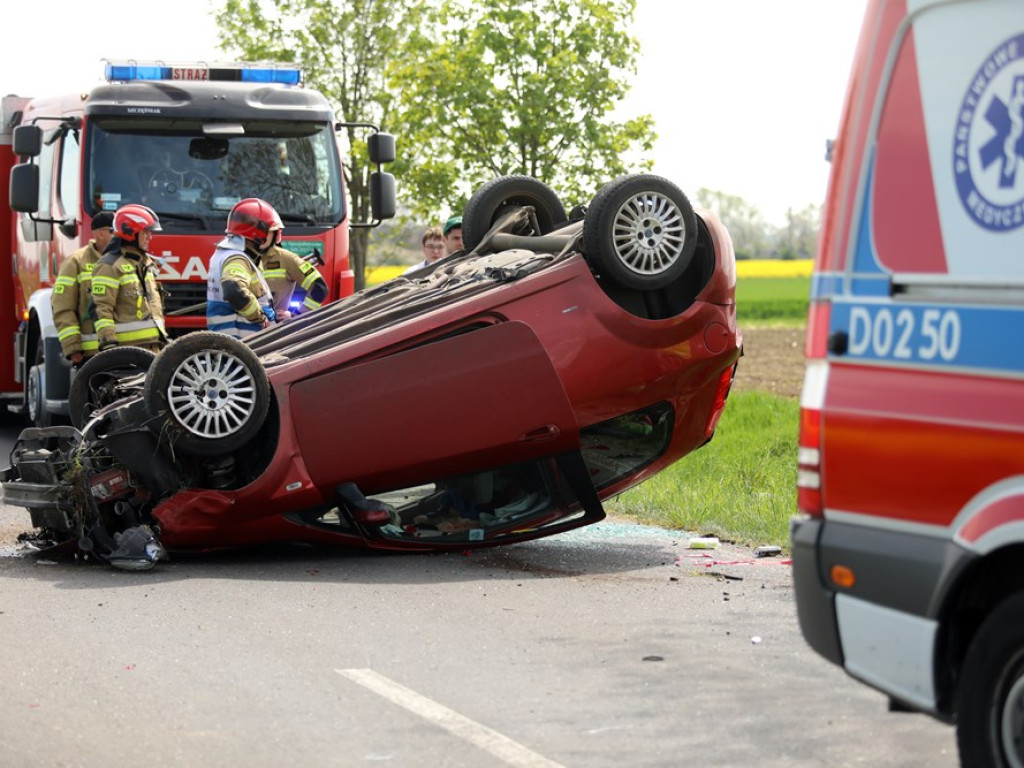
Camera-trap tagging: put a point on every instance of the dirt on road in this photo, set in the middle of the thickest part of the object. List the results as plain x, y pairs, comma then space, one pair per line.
773, 361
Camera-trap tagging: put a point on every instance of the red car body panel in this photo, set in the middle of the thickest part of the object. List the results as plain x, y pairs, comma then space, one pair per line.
509, 375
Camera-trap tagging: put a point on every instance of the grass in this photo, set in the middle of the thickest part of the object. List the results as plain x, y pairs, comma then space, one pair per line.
740, 487
772, 299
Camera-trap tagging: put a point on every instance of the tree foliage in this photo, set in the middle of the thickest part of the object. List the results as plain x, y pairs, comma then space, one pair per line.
494, 87
343, 47
753, 237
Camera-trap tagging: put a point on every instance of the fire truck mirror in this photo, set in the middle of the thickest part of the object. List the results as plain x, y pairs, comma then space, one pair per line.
25, 188
382, 148
28, 140
382, 195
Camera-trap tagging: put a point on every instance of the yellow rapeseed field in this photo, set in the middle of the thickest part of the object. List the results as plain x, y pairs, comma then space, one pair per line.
747, 268
774, 268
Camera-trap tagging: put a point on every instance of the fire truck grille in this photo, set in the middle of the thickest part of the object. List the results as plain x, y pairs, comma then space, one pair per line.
184, 299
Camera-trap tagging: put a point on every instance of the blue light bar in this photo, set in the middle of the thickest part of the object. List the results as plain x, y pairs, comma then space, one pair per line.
268, 72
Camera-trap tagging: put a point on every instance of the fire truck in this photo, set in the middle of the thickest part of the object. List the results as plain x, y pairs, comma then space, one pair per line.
908, 554
189, 141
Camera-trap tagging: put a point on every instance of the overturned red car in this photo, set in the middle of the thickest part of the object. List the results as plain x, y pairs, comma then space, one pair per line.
496, 396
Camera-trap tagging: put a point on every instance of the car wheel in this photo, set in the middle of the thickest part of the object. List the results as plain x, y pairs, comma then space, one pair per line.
35, 394
990, 710
95, 383
497, 196
640, 231
212, 390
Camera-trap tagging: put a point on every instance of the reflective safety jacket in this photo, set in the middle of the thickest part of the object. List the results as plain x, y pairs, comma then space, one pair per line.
70, 300
284, 271
126, 300
233, 275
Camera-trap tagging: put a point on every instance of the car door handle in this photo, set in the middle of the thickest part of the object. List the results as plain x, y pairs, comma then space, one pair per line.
543, 434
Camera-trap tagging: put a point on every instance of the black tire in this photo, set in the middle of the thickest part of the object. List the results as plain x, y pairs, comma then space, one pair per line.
990, 705
497, 196
641, 232
36, 414
212, 391
94, 383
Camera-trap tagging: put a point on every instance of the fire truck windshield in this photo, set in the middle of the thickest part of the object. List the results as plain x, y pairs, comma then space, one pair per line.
192, 179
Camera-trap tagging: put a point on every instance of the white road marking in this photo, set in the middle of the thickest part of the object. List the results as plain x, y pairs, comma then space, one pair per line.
481, 736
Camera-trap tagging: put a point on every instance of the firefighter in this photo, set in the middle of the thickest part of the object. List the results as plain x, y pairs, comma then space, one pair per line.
284, 272
72, 294
238, 299
125, 294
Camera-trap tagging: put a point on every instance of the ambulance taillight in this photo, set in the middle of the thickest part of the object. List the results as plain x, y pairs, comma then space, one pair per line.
809, 497
808, 474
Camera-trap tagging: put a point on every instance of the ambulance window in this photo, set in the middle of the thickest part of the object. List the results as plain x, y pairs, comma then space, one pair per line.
947, 193
69, 175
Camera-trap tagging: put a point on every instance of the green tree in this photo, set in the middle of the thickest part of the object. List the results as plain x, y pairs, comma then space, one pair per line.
798, 238
494, 87
343, 47
751, 234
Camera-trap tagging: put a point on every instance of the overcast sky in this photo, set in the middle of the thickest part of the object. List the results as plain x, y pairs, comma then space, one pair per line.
744, 92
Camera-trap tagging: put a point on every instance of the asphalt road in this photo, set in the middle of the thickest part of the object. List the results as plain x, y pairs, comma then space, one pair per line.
615, 645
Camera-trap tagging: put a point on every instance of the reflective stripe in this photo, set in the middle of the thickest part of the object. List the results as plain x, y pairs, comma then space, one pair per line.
149, 334
103, 323
85, 277
100, 282
309, 303
65, 280
250, 309
275, 274
221, 317
71, 330
311, 278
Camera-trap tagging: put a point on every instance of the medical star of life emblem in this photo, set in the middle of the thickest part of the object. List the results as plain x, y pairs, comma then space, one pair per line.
988, 141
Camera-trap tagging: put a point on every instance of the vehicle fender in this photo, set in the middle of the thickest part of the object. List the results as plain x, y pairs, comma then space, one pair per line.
993, 519
57, 376
40, 306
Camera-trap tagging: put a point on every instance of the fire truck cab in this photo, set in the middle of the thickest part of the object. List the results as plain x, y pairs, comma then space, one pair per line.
189, 141
909, 550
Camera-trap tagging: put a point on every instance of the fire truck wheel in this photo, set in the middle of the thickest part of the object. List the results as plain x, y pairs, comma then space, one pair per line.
212, 392
498, 196
990, 708
640, 231
35, 396
99, 381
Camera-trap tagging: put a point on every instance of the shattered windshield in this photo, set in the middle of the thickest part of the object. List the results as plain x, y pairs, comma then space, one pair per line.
193, 179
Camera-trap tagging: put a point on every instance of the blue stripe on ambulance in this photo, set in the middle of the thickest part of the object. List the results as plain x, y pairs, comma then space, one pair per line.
931, 335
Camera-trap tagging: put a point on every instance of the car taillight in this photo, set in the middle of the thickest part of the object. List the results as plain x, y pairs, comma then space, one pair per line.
809, 478
721, 395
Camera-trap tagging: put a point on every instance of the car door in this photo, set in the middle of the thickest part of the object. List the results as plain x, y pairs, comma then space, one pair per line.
484, 398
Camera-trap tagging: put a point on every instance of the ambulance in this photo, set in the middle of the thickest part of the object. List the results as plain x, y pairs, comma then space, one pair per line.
189, 140
908, 550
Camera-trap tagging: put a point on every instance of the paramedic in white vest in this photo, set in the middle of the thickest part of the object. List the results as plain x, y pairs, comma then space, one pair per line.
238, 299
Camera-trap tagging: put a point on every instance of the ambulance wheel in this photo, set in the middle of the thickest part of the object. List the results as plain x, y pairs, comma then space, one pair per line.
97, 382
498, 196
212, 392
990, 709
640, 231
